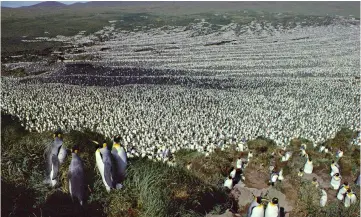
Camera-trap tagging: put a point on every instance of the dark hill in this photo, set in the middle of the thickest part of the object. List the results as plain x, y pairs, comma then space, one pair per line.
47, 4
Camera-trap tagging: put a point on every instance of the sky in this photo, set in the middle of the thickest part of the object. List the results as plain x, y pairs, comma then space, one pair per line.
15, 4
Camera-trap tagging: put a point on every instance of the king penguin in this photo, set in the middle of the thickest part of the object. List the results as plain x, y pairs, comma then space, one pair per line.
308, 168
323, 199
104, 164
76, 177
341, 193
272, 209
334, 168
336, 181
350, 198
256, 209
55, 156
120, 156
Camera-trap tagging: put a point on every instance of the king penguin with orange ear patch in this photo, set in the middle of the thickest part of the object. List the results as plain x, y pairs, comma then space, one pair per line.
273, 208
256, 209
104, 164
76, 177
120, 156
55, 156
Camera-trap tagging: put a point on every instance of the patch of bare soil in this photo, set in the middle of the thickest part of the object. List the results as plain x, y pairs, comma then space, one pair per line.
256, 177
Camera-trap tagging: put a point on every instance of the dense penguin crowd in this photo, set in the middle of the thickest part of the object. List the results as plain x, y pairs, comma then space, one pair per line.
176, 117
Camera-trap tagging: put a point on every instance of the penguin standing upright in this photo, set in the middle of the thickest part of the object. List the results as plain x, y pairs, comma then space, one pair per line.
238, 176
323, 199
273, 178
339, 153
228, 183
76, 177
280, 175
104, 164
120, 156
239, 163
55, 156
350, 198
334, 168
232, 172
341, 193
256, 209
272, 209
336, 181
308, 168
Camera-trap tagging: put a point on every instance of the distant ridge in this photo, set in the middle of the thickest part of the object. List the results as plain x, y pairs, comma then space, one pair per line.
46, 4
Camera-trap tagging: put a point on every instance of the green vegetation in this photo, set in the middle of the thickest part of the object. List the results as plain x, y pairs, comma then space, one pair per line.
151, 188
154, 188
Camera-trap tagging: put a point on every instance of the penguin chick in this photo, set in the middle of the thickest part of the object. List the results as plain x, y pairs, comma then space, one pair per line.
76, 177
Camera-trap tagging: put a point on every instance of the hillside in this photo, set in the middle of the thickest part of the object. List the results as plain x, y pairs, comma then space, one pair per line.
156, 189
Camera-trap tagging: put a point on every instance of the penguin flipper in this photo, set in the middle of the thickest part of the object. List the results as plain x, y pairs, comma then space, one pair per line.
55, 162
108, 175
46, 156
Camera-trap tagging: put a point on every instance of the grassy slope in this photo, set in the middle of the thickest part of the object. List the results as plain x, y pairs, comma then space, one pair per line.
153, 188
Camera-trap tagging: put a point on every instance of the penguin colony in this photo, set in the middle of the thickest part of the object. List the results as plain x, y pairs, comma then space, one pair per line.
112, 174
261, 206
209, 96
269, 85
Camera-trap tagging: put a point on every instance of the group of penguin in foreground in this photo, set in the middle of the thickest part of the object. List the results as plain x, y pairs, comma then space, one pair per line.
263, 207
112, 174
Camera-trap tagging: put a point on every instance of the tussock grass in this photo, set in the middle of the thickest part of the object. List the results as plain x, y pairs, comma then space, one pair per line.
151, 188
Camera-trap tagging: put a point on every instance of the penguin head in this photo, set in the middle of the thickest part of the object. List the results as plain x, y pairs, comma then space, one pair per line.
349, 190
337, 174
275, 200
310, 159
345, 183
314, 179
75, 149
259, 199
116, 139
301, 170
333, 162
